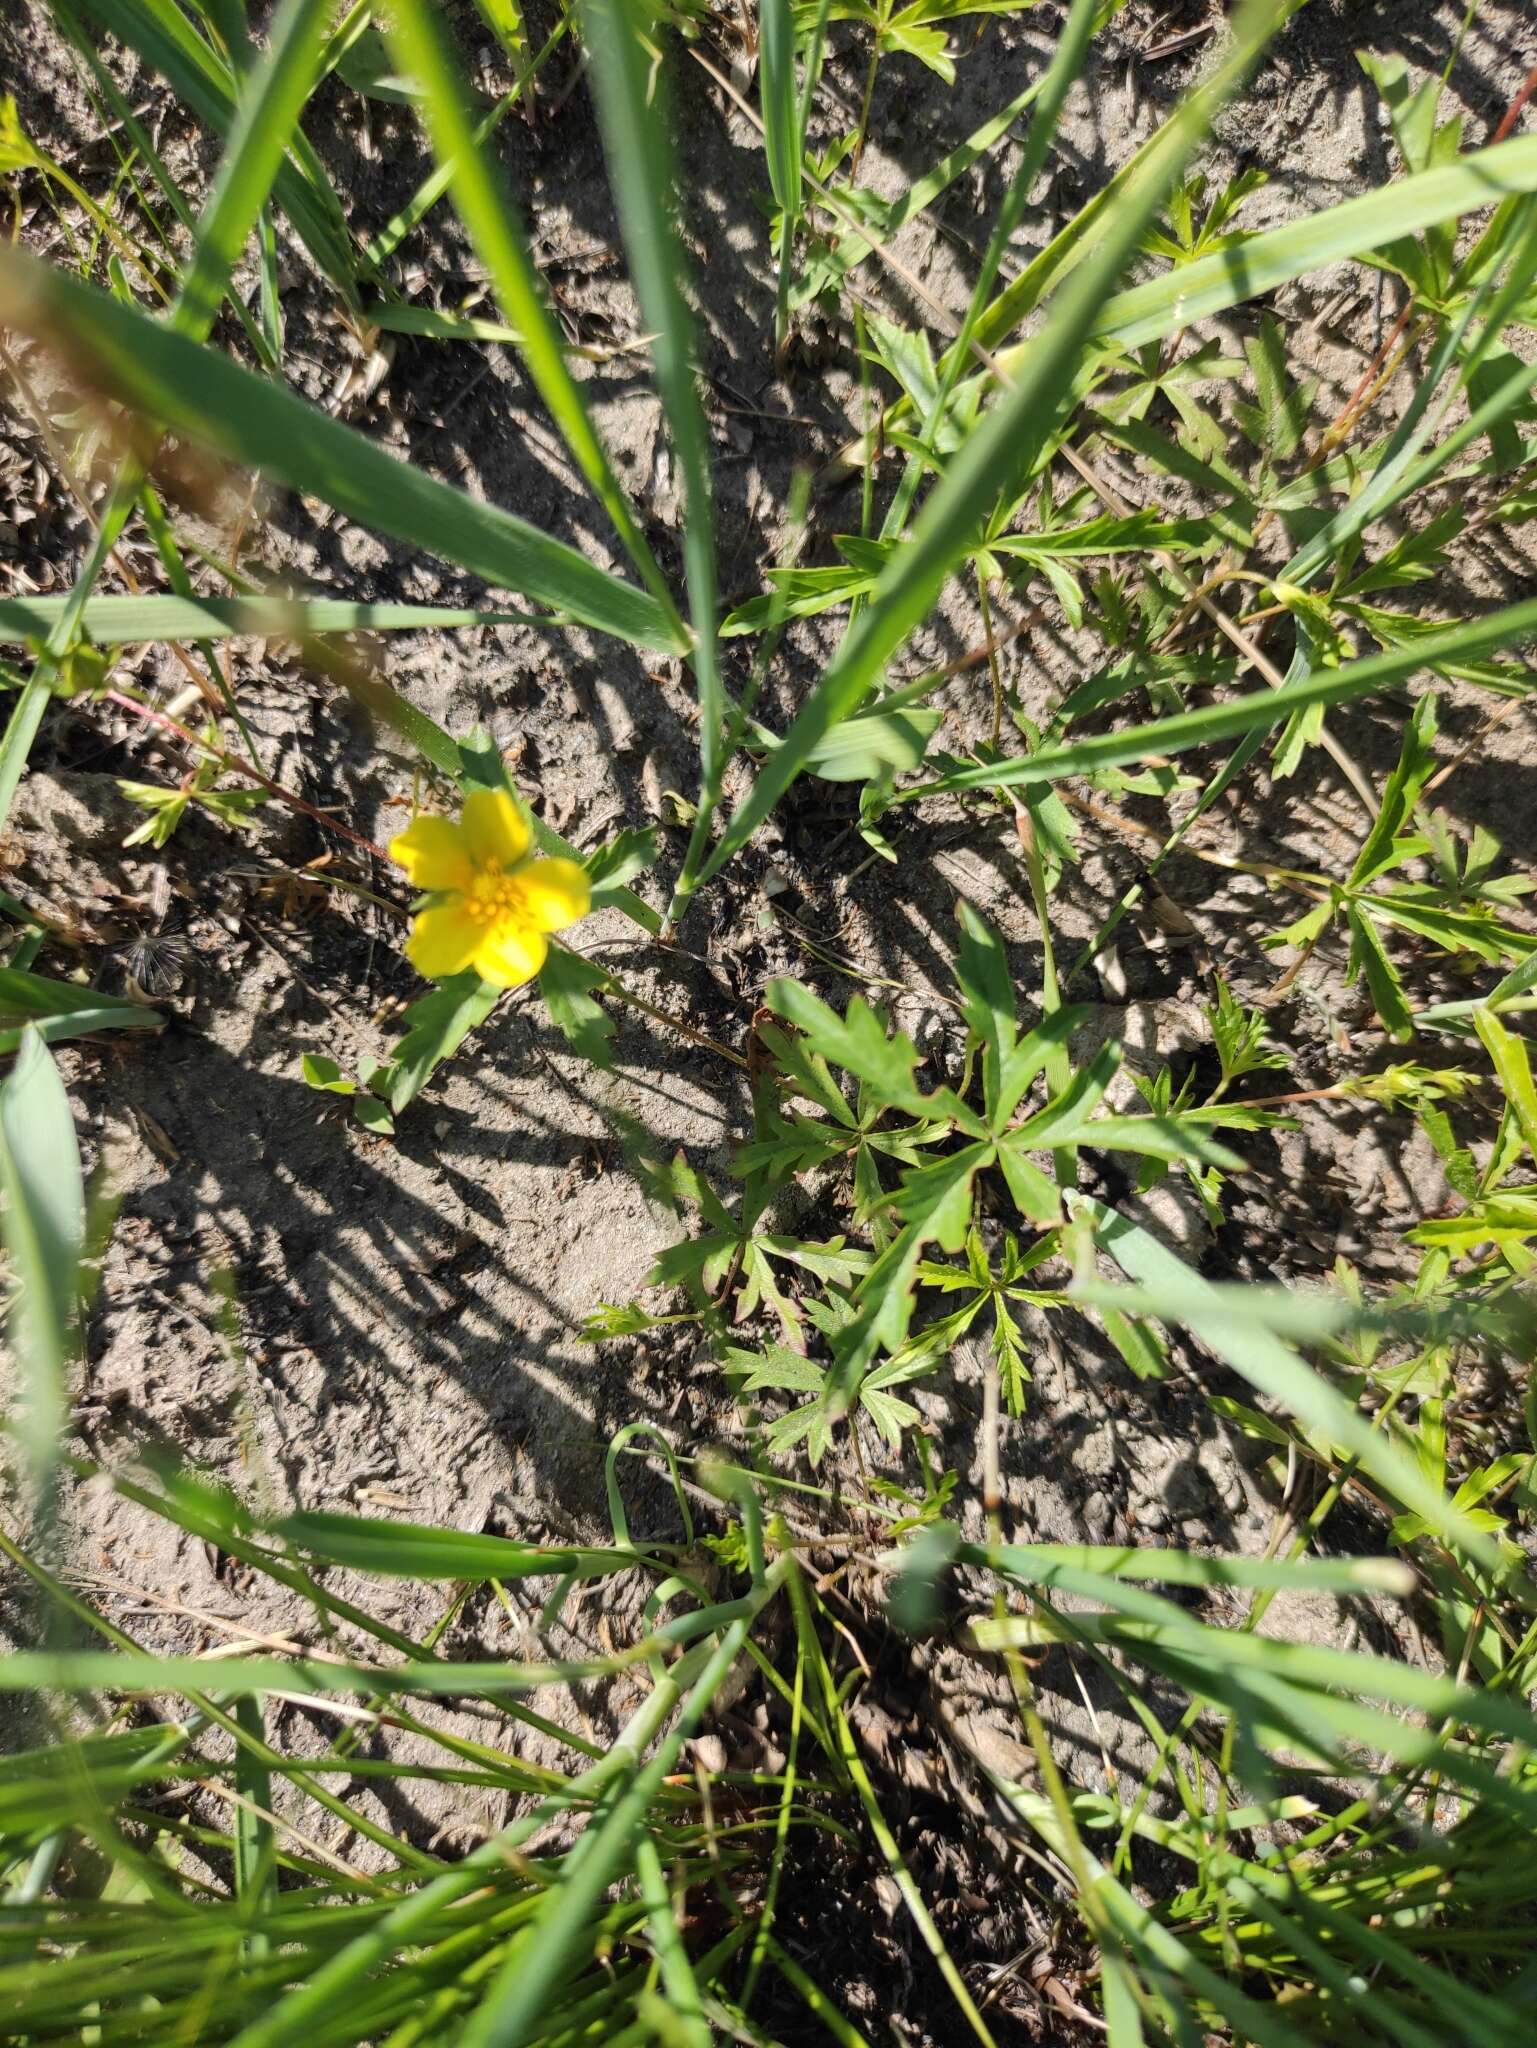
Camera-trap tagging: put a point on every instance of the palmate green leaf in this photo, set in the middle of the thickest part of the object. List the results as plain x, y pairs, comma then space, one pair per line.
1457, 931
863, 1045
1030, 1056
568, 982
249, 420
1067, 1118
44, 1232
1178, 1139
933, 1203
436, 1026
1002, 449
1369, 956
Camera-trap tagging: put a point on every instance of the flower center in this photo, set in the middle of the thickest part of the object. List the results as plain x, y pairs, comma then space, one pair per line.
493, 896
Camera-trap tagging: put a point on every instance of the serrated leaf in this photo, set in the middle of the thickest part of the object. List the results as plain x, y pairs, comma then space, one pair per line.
436, 1026
862, 1043
1415, 763
1368, 957
567, 981
932, 1202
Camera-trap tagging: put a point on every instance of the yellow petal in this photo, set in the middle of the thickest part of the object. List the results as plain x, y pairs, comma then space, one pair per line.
555, 893
443, 940
510, 954
433, 853
493, 828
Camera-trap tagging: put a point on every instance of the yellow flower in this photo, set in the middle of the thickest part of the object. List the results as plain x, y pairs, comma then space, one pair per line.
491, 903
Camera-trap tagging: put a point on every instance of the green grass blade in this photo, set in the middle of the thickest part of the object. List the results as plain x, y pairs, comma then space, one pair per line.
1153, 311
541, 1958
44, 1231
1077, 238
250, 421
256, 138
256, 1886
486, 207
62, 1009
633, 115
782, 140
1002, 449
130, 621
1260, 264
1251, 713
1276, 1371
159, 33
20, 731
781, 124
689, 2028
1038, 1564
389, 238
133, 134
268, 113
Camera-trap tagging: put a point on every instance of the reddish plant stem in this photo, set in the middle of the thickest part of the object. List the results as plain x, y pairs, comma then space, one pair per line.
1513, 111
245, 768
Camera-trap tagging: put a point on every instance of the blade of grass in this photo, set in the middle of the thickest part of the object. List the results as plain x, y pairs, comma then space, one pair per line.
129, 621
270, 107
44, 1230
632, 112
159, 33
485, 205
135, 134
1277, 1371
782, 141
1074, 241
1262, 263
1002, 448
1247, 714
847, 1755
389, 238
248, 420
678, 1979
